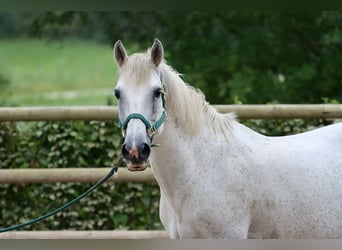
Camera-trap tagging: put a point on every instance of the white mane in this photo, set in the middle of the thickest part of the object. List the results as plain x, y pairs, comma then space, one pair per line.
137, 68
188, 107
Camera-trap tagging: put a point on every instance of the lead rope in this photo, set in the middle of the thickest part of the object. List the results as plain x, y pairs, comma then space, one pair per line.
70, 203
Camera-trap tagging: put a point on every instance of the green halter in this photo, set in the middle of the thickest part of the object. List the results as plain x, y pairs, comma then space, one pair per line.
150, 128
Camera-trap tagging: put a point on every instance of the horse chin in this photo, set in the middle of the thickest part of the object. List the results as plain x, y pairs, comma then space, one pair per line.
136, 167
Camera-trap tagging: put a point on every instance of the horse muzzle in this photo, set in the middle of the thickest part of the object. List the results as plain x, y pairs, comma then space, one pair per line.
136, 156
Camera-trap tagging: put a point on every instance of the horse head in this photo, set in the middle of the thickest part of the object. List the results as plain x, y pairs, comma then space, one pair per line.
140, 94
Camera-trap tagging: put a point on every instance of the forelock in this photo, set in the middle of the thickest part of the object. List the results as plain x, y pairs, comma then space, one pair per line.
138, 68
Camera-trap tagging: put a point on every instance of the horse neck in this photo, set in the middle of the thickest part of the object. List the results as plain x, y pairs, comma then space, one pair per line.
194, 136
187, 123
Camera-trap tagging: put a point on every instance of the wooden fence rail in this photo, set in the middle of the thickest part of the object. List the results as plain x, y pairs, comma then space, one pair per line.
64, 175
110, 112
68, 234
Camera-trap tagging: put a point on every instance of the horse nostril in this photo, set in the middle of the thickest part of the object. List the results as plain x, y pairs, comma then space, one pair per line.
125, 151
144, 151
136, 154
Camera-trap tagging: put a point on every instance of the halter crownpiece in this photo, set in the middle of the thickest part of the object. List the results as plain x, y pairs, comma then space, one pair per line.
150, 129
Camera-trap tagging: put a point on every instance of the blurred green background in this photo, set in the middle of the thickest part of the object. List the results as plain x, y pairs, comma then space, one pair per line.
65, 58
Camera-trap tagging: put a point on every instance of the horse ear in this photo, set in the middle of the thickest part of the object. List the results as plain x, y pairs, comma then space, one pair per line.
157, 52
119, 53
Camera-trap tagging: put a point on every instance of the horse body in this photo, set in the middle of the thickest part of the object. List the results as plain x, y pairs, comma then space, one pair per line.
255, 186
218, 178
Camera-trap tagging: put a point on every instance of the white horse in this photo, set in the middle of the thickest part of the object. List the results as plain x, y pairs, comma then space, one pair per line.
218, 178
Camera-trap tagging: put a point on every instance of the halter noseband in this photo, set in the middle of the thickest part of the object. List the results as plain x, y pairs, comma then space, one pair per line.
151, 129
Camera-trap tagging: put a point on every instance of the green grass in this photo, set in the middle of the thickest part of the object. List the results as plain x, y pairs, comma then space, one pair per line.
44, 72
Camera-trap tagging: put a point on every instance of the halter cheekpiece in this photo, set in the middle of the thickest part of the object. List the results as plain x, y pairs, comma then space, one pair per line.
151, 129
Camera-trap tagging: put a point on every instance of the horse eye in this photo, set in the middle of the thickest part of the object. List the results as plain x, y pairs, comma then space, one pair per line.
157, 93
117, 93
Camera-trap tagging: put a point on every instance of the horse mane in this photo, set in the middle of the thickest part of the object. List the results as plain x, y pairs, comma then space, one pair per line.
188, 107
137, 67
